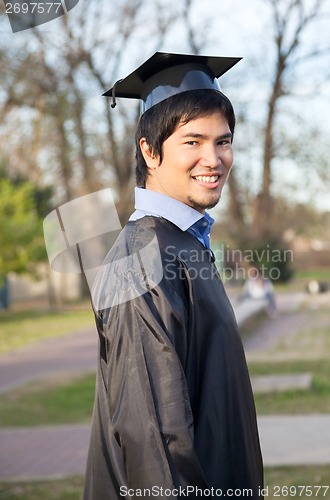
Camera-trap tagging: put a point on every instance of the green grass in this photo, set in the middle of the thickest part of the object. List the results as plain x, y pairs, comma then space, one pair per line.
284, 477
321, 274
277, 479
67, 489
313, 400
18, 329
302, 278
51, 402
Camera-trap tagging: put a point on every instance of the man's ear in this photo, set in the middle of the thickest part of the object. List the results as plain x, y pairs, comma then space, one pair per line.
151, 160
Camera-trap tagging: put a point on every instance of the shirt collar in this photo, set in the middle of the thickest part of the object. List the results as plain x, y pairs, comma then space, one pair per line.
161, 205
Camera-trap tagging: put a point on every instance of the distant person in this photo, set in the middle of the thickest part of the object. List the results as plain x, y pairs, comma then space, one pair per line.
4, 293
259, 287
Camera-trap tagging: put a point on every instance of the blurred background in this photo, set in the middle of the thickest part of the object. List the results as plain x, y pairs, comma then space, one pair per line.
59, 140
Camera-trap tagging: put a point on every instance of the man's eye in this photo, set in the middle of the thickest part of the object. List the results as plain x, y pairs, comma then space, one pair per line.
191, 143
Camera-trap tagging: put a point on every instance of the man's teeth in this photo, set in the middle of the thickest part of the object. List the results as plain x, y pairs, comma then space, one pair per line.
207, 178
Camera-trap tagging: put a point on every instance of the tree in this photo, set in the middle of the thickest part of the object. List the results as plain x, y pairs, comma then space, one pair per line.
291, 21
52, 83
21, 237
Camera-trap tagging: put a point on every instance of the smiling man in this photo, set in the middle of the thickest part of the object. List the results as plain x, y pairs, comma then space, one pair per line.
174, 414
197, 159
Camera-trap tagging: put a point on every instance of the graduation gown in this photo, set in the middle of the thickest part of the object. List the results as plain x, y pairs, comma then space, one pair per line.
173, 406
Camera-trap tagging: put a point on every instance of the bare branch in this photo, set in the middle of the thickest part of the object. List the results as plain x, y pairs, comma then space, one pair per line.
191, 34
311, 55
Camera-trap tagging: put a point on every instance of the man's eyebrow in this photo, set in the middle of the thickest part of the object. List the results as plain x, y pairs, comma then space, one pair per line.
195, 135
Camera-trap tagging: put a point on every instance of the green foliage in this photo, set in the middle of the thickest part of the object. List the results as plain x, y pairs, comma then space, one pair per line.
41, 196
21, 237
271, 256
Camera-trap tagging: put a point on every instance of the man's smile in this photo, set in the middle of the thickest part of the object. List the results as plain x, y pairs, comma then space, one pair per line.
210, 180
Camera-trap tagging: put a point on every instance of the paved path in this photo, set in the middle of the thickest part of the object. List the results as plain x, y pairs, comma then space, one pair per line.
77, 352
70, 353
295, 439
43, 452
52, 452
290, 320
61, 451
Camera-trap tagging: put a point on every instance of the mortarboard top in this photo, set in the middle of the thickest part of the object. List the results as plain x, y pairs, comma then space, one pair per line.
164, 75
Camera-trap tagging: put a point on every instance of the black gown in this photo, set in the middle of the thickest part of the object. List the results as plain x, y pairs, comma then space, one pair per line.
173, 406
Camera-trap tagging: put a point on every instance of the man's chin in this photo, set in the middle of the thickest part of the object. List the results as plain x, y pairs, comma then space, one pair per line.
212, 205
202, 205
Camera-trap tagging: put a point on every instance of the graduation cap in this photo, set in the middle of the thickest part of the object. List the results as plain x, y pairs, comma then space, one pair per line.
164, 75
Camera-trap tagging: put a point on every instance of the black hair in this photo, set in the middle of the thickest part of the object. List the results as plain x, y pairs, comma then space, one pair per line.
159, 122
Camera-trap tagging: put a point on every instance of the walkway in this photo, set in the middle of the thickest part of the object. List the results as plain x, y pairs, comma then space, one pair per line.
71, 353
52, 452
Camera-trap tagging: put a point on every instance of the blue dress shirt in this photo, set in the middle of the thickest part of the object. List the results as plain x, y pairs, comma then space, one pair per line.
186, 218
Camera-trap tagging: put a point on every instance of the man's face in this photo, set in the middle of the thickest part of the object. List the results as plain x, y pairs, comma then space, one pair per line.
197, 159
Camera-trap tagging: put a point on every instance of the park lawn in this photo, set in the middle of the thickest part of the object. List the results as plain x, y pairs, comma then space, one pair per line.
278, 481
64, 400
322, 274
61, 489
18, 329
313, 400
310, 343
301, 278
54, 401
306, 351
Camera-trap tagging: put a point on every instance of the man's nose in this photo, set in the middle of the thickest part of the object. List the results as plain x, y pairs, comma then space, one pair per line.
210, 156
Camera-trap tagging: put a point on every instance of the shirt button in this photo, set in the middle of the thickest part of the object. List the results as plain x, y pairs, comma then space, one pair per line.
205, 224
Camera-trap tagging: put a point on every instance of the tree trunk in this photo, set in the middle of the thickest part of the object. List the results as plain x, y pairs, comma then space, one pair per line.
236, 210
264, 203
